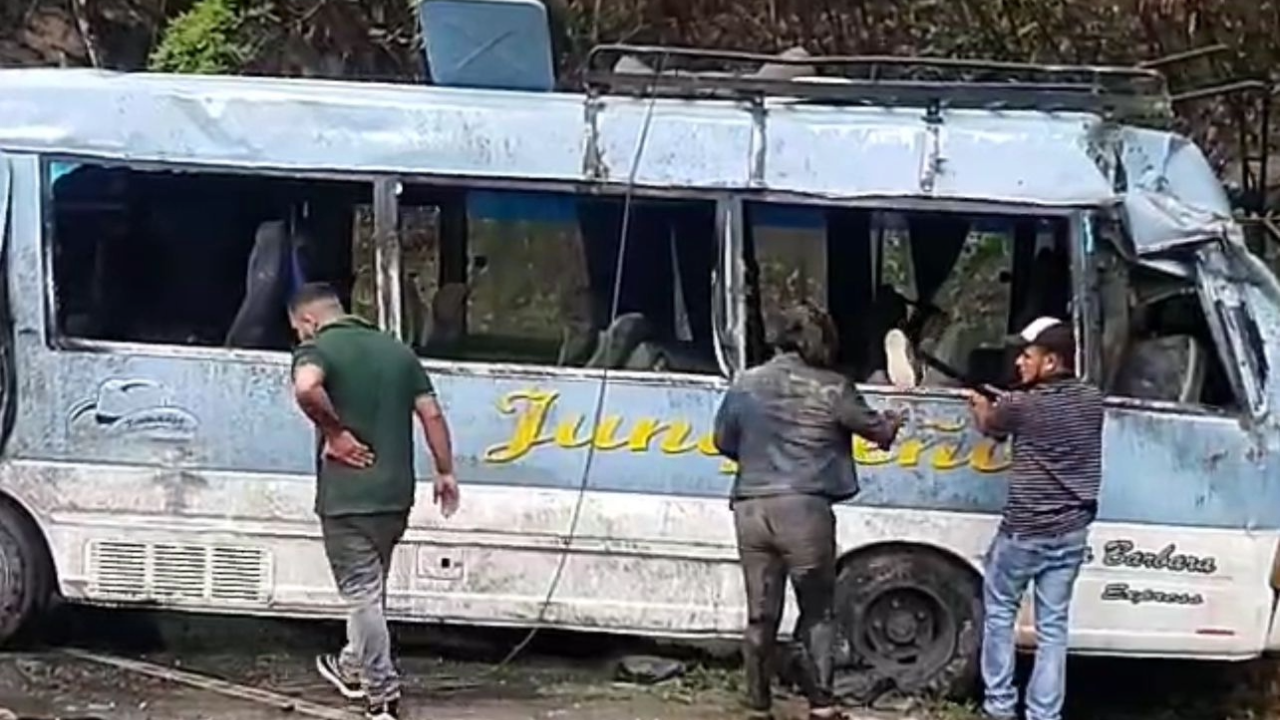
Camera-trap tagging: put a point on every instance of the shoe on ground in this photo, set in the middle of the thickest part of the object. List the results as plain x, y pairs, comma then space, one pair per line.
383, 711
331, 671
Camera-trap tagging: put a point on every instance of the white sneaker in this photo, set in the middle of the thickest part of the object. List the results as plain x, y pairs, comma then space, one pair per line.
900, 366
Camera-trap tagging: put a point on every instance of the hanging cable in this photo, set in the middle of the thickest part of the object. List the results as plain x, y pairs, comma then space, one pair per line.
603, 387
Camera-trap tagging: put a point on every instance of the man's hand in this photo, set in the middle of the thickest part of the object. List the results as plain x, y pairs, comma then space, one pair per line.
894, 419
983, 407
977, 400
980, 400
447, 495
346, 449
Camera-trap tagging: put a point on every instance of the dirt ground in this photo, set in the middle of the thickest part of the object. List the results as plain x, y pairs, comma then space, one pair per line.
452, 676
447, 676
52, 685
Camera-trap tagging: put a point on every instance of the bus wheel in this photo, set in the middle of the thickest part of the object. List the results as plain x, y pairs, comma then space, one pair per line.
909, 618
23, 579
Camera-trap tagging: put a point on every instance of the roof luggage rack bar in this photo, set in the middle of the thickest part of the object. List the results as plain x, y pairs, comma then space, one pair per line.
1118, 92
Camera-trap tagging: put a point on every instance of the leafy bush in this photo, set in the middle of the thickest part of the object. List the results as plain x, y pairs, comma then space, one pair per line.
202, 40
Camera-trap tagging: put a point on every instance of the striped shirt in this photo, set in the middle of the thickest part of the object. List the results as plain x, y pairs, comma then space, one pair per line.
1057, 456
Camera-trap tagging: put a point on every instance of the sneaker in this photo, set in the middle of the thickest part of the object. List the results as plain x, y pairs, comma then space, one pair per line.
331, 670
897, 352
389, 710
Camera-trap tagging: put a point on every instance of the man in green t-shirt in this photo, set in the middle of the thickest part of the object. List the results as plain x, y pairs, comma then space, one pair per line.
361, 387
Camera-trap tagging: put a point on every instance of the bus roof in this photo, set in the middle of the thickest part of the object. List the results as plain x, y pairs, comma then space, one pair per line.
780, 145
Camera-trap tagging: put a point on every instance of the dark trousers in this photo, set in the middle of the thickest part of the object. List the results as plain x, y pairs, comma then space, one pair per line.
780, 537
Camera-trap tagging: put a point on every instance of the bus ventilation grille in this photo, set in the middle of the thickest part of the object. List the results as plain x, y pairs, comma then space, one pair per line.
167, 572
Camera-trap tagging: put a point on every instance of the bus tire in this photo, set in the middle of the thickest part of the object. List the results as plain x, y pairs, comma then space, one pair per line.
909, 618
24, 576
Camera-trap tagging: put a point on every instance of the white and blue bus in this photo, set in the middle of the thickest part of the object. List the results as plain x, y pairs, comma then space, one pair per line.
153, 226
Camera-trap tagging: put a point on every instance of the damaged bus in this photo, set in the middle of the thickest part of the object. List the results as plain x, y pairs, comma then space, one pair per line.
154, 225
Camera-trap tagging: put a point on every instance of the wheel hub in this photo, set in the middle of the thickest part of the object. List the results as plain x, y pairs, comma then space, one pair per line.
901, 628
904, 626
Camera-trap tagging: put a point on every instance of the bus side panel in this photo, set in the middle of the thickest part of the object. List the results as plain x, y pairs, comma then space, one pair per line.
1263, 303
1172, 568
148, 465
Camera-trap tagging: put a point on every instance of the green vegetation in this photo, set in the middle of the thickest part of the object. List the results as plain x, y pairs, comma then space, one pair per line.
204, 39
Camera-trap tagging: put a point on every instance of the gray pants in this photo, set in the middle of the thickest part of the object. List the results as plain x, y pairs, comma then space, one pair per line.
781, 536
359, 551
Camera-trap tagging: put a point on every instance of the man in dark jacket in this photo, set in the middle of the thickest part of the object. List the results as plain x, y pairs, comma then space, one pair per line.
789, 425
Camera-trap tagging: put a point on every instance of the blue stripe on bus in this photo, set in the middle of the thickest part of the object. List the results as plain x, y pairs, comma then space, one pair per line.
1161, 468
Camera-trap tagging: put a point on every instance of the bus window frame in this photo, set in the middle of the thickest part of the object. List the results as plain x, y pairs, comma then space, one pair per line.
1217, 295
385, 190
974, 207
720, 289
1091, 329
54, 338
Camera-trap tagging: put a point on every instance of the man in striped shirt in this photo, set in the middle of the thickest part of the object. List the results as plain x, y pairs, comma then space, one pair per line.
1056, 423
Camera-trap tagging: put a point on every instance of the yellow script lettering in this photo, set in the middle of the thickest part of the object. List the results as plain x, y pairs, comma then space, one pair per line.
948, 456
677, 440
909, 455
567, 433
643, 434
865, 453
606, 434
707, 444
529, 424
990, 457
532, 410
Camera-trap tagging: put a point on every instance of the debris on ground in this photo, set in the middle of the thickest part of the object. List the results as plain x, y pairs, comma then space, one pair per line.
648, 670
565, 678
896, 702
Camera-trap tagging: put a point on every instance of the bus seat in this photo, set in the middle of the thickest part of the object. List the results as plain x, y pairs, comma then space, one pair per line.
262, 320
448, 315
956, 346
1170, 368
577, 336
619, 341
648, 356
577, 344
671, 356
416, 322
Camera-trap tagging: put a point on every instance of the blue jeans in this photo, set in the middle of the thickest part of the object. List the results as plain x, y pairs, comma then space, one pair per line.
1053, 563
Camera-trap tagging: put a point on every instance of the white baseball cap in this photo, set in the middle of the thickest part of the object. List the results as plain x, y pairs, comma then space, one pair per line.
1035, 327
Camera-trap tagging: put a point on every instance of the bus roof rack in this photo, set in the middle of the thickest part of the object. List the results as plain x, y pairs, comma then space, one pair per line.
1122, 93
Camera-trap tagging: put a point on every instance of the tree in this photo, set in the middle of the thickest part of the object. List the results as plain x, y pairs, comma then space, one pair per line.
379, 39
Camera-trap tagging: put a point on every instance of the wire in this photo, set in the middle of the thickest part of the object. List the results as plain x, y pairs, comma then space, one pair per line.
602, 390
